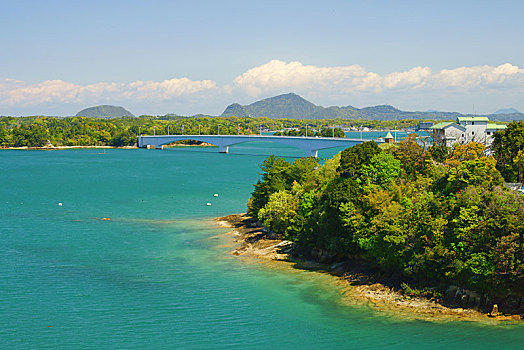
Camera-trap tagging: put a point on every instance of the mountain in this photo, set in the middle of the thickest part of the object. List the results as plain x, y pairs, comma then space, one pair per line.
294, 106
282, 106
105, 111
506, 111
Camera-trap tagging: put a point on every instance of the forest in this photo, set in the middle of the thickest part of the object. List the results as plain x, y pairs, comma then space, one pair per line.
432, 216
83, 131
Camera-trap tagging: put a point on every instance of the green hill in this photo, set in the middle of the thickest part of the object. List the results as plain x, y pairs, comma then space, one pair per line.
294, 106
105, 111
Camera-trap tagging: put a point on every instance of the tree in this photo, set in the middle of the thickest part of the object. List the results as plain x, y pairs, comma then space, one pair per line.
331, 132
279, 212
413, 158
381, 170
506, 145
519, 165
124, 138
274, 178
352, 158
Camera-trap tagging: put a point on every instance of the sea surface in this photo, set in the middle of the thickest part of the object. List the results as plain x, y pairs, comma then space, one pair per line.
158, 276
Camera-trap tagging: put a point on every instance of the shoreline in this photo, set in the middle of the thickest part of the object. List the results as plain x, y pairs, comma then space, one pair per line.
359, 285
53, 148
57, 148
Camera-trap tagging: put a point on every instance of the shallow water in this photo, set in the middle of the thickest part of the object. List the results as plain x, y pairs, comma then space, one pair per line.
155, 276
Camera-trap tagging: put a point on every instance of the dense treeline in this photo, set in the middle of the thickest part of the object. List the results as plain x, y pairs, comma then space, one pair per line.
82, 131
321, 132
402, 211
508, 148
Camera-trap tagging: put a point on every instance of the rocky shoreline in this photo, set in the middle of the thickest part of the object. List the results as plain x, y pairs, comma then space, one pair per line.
360, 283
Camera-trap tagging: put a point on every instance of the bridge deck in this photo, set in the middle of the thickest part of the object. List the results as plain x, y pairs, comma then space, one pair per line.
310, 144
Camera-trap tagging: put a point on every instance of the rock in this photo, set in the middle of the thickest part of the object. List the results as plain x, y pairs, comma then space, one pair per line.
336, 266
474, 298
495, 311
452, 291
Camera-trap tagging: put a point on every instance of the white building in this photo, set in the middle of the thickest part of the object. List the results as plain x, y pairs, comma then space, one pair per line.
465, 130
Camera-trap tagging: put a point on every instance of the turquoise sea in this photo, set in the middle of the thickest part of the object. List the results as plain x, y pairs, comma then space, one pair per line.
156, 276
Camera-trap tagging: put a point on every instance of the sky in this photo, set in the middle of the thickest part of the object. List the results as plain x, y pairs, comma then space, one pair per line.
188, 57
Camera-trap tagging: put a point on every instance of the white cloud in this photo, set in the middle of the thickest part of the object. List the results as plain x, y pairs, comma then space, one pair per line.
7, 84
415, 88
480, 76
294, 75
15, 92
279, 76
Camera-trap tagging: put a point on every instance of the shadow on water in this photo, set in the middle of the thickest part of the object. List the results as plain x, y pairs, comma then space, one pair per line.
235, 153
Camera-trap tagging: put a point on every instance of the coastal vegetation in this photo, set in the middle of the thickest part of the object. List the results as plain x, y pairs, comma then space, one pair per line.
83, 131
301, 131
431, 219
508, 148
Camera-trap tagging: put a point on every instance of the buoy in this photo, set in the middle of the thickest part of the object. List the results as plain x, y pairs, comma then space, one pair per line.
208, 204
60, 204
215, 195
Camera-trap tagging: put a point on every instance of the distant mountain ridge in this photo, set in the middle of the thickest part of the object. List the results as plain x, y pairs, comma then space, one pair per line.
105, 111
506, 111
293, 106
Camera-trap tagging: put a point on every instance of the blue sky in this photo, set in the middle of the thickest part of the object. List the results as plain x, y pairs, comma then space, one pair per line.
158, 57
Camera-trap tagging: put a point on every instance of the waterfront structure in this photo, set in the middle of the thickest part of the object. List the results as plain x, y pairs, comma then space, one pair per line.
424, 126
389, 138
465, 130
310, 144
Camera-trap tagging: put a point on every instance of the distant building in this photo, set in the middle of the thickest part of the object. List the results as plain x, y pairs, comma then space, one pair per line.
423, 126
465, 130
388, 138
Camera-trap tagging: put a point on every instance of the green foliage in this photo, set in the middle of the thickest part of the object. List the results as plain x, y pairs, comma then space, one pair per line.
352, 159
322, 132
381, 170
83, 131
279, 211
124, 138
403, 211
439, 152
274, 179
506, 145
105, 111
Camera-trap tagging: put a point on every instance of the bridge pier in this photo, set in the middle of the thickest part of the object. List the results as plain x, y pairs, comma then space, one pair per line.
312, 153
223, 149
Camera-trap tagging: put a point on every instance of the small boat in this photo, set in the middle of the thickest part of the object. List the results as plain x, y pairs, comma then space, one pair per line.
208, 204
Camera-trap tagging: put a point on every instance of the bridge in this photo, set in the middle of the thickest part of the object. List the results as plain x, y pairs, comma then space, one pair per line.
310, 144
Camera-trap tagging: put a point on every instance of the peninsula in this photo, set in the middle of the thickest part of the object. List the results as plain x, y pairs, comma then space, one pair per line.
435, 223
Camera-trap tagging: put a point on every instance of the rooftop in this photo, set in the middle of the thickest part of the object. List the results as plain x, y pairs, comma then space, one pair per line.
495, 126
472, 119
441, 125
